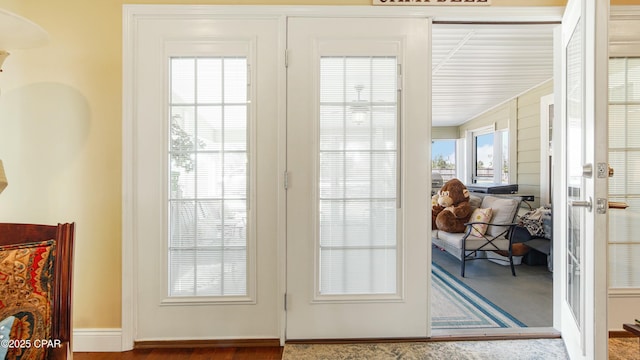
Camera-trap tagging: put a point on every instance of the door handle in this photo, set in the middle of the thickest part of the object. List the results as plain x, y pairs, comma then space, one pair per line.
581, 203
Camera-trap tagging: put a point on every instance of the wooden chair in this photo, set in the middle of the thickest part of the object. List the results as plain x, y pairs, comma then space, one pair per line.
63, 234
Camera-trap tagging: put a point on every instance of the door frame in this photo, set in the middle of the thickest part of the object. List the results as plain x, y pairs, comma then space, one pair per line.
621, 45
132, 14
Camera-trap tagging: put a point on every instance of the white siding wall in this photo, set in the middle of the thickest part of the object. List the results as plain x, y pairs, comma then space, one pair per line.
522, 114
528, 140
499, 115
444, 132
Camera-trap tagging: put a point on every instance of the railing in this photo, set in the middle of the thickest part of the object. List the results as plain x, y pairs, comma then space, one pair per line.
483, 176
447, 174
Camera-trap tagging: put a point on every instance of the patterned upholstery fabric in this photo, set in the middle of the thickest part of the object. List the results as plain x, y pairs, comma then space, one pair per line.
26, 271
533, 221
480, 215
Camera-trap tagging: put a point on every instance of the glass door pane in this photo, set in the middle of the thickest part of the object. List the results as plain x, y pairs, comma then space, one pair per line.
358, 160
624, 158
575, 180
208, 177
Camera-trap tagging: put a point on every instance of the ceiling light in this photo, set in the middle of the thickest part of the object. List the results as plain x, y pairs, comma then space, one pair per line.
359, 108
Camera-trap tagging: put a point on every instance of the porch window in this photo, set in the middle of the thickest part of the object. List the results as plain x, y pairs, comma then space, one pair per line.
443, 158
490, 154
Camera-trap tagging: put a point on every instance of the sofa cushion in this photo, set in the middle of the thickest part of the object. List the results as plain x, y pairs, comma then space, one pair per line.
26, 271
474, 202
454, 239
504, 212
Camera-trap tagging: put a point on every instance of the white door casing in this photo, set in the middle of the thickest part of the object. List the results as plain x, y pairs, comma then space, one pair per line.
134, 202
546, 123
580, 221
313, 311
245, 314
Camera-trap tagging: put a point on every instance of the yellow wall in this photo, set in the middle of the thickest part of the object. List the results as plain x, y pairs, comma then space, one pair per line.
60, 135
60, 141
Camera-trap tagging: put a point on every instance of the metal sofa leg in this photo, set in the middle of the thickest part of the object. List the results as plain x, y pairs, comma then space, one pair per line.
513, 268
464, 257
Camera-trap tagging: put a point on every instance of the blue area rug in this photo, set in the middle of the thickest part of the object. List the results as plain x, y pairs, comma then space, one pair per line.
457, 306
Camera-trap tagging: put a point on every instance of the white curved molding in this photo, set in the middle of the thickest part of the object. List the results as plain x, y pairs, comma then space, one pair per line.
436, 13
17, 32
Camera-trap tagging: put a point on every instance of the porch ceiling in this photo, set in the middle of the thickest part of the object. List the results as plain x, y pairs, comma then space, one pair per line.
479, 66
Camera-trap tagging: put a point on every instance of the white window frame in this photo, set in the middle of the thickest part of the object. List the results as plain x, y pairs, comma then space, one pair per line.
364, 49
546, 124
613, 239
456, 155
216, 49
462, 171
623, 21
471, 163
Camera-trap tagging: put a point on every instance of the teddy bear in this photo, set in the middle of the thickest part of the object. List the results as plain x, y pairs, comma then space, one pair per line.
450, 207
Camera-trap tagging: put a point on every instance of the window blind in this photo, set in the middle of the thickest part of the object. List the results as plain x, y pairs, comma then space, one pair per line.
624, 158
207, 245
358, 154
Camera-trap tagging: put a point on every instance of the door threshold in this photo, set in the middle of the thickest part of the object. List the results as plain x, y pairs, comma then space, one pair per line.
494, 334
354, 341
447, 335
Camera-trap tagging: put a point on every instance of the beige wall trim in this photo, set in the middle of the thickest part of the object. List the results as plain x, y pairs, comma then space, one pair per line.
97, 340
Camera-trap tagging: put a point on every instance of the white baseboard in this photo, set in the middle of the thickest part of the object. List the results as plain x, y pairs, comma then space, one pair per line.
97, 340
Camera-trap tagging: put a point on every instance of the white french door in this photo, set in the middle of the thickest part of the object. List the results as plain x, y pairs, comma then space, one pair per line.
358, 123
583, 214
204, 204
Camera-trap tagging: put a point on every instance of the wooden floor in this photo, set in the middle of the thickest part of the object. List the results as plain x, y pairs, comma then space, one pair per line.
619, 349
227, 353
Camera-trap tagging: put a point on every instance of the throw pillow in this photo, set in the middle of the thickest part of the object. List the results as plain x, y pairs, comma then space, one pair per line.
504, 212
26, 273
5, 329
480, 215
